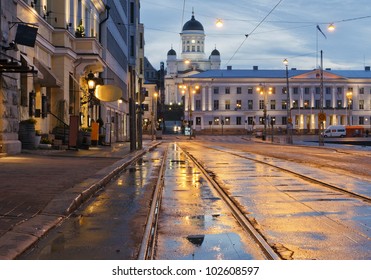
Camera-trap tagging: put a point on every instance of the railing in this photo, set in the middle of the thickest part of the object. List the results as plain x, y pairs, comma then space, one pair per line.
65, 136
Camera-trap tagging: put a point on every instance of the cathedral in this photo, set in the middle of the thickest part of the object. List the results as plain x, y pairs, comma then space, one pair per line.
192, 60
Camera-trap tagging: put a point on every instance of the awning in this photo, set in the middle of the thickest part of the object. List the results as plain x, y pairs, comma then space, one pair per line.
31, 65
49, 79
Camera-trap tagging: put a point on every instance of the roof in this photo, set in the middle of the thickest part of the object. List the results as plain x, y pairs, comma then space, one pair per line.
215, 52
171, 52
247, 73
193, 24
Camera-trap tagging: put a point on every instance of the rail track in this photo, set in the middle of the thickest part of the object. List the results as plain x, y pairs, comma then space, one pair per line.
299, 175
147, 249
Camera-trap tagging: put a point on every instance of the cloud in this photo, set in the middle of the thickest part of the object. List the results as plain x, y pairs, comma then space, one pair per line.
289, 31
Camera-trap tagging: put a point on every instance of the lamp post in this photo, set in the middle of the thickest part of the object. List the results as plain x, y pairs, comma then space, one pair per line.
321, 115
349, 98
191, 90
154, 114
288, 111
262, 90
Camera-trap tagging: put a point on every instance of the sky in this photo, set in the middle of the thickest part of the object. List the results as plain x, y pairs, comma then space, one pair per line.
276, 29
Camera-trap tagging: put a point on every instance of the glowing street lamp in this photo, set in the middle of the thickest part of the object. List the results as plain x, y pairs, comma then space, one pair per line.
288, 112
219, 23
331, 27
191, 90
262, 90
349, 96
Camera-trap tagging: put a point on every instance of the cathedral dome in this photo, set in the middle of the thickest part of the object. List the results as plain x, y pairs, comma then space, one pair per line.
193, 24
171, 52
215, 52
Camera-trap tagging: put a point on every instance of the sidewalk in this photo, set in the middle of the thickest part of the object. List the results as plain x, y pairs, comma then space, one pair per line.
39, 188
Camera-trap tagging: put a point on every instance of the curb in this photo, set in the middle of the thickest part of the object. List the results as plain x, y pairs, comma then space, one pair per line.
25, 234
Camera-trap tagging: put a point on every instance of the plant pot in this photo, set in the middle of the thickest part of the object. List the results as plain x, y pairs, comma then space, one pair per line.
37, 140
26, 135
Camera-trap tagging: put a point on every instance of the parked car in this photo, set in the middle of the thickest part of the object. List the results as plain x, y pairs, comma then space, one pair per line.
335, 131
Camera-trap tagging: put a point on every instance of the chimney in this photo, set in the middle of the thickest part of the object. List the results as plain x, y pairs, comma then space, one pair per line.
255, 67
229, 67
367, 68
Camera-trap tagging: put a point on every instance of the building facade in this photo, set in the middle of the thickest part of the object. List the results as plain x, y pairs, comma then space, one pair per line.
233, 101
75, 41
192, 60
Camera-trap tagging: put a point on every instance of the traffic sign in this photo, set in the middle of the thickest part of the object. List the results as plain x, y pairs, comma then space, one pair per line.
321, 117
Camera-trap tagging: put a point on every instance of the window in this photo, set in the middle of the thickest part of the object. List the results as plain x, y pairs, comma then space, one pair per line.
284, 90
227, 104
132, 12
250, 121
339, 104
361, 104
328, 90
198, 105
361, 90
339, 90
284, 105
306, 90
295, 90
227, 90
306, 104
261, 104
227, 121
273, 104
250, 104
145, 107
318, 90
295, 104
250, 90
238, 121
361, 120
216, 120
216, 90
284, 120
328, 103
239, 90
238, 104
317, 104
198, 120
216, 104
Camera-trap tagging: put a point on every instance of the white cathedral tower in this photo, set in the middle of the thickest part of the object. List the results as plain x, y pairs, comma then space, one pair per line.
193, 59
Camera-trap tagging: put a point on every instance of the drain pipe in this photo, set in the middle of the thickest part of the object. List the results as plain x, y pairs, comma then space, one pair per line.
103, 21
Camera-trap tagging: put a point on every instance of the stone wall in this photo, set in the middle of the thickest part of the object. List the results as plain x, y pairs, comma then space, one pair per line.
9, 88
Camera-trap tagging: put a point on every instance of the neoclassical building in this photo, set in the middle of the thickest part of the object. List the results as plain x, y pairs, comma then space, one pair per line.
192, 60
234, 100
74, 42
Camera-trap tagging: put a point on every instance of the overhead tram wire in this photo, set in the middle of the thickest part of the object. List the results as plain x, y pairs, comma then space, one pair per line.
261, 22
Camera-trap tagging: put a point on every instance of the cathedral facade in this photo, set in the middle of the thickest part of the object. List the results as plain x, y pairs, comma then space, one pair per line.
192, 60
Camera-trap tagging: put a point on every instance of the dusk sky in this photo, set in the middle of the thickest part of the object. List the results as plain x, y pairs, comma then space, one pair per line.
288, 31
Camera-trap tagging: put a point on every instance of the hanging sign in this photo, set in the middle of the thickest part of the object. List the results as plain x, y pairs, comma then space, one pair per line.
108, 93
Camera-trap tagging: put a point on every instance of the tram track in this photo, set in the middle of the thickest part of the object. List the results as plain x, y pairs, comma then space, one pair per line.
299, 175
147, 248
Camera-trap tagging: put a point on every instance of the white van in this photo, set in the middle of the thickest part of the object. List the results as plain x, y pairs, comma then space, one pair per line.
335, 131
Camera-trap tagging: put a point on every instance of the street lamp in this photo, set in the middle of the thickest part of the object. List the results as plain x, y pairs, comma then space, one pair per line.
288, 111
349, 98
154, 114
191, 90
262, 90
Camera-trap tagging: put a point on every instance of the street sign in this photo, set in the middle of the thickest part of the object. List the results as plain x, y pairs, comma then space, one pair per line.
321, 117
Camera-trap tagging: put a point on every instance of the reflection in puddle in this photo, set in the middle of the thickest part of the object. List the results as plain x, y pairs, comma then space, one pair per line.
222, 246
